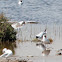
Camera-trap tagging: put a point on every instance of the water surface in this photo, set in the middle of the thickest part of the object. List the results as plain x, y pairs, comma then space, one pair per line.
45, 11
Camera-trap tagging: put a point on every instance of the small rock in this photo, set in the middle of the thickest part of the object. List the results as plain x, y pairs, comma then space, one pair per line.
59, 54
30, 61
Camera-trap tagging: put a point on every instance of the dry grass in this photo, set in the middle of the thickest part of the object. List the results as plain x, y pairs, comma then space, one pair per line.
50, 40
36, 40
20, 40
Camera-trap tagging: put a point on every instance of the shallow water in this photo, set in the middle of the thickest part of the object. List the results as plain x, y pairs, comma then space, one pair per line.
29, 31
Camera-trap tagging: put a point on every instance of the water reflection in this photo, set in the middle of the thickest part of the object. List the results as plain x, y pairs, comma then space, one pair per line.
8, 45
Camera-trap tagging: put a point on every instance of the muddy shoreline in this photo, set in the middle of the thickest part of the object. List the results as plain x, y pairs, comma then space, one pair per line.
32, 59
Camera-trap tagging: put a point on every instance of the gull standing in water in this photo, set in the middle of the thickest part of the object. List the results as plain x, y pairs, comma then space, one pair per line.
6, 52
45, 51
41, 46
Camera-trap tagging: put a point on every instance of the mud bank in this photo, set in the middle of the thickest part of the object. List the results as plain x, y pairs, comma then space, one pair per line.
12, 59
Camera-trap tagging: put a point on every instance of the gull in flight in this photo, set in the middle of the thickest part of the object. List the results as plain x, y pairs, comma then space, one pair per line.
40, 35
17, 25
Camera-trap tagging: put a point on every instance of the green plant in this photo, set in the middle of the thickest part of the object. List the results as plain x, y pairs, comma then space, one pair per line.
7, 32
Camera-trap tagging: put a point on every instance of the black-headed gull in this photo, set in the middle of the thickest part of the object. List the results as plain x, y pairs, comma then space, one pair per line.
40, 35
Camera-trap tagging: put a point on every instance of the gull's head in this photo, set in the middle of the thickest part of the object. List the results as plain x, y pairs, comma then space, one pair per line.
21, 0
5, 49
